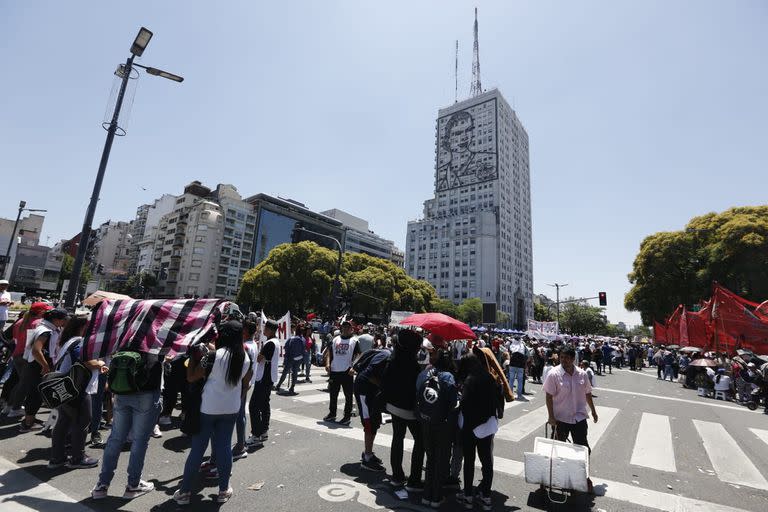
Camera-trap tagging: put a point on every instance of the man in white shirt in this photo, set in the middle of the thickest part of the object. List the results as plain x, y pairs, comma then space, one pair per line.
342, 353
264, 375
5, 302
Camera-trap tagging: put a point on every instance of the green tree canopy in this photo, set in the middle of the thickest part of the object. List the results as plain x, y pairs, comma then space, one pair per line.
299, 277
542, 313
679, 267
66, 271
471, 311
580, 318
446, 307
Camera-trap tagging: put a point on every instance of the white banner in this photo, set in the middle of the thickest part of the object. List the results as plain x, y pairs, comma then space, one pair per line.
398, 316
284, 330
545, 328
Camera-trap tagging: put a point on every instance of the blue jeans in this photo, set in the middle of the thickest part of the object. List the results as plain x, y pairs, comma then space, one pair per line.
136, 413
240, 424
97, 404
217, 428
668, 372
307, 363
517, 374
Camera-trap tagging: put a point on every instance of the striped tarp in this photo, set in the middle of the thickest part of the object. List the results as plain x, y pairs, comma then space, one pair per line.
161, 327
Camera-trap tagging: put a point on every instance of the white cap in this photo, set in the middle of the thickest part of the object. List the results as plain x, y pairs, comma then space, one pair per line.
3, 281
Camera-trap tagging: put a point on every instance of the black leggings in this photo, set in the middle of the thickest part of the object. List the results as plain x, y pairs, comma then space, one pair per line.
74, 419
399, 426
484, 448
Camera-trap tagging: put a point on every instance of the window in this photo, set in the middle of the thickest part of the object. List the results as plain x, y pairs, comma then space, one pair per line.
200, 238
194, 277
202, 227
198, 250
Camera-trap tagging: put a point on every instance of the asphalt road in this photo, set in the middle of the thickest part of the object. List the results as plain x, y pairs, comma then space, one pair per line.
656, 446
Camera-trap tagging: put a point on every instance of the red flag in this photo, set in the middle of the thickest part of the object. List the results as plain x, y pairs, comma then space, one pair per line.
659, 333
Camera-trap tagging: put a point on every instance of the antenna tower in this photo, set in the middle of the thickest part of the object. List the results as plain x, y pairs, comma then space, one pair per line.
456, 75
476, 88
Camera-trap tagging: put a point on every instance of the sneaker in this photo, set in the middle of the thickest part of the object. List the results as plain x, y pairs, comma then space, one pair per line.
182, 498
99, 492
346, 420
397, 483
156, 432
375, 458
254, 442
15, 413
372, 465
414, 486
485, 501
224, 496
96, 440
23, 427
56, 464
460, 496
263, 437
239, 454
85, 463
436, 504
134, 491
425, 501
330, 417
164, 421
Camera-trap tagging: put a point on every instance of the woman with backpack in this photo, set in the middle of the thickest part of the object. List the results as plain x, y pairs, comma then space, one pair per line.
227, 372
478, 422
75, 416
435, 403
397, 388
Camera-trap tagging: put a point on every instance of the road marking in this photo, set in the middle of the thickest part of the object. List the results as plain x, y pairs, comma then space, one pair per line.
729, 461
607, 488
683, 400
524, 425
22, 492
762, 434
653, 444
316, 399
605, 416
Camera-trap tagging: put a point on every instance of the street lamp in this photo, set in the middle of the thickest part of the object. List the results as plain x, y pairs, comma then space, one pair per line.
124, 72
22, 208
558, 286
335, 287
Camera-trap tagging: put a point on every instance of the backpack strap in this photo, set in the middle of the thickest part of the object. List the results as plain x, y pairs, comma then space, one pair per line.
67, 350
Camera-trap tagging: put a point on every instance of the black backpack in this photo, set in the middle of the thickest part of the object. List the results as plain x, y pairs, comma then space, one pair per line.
365, 360
431, 402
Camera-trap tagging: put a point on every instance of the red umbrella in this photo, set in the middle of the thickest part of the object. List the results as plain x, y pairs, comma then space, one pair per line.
443, 325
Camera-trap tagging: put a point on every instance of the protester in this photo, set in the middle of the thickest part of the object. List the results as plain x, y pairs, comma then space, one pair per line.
227, 373
263, 377
367, 387
517, 360
342, 352
309, 352
568, 394
397, 387
5, 303
292, 358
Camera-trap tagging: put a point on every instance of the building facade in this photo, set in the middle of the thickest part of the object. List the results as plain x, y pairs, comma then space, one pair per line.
27, 234
111, 250
361, 239
474, 240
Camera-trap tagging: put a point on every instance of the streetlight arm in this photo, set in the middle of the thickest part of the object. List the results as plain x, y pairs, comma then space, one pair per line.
159, 72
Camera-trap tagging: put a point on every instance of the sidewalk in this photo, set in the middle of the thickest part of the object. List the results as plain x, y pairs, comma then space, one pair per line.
21, 492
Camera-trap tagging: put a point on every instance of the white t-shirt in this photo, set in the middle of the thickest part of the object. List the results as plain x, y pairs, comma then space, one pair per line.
53, 342
724, 384
343, 350
218, 396
4, 296
252, 349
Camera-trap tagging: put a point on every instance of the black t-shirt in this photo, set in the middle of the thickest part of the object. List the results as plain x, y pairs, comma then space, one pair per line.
155, 369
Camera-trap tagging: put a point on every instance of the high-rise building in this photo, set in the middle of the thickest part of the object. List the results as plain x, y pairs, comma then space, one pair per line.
361, 239
475, 237
147, 219
111, 250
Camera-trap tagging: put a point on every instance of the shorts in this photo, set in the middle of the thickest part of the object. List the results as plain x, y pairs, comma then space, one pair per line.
370, 412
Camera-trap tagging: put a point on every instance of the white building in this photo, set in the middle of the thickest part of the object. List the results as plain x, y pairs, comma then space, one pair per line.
144, 229
111, 250
475, 237
361, 239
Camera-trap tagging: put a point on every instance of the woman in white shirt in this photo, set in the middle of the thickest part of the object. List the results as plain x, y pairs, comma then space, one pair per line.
227, 377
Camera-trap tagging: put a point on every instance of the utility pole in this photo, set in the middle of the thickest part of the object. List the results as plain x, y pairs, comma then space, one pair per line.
557, 287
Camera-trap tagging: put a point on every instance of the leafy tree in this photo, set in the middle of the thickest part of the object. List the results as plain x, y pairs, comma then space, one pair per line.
580, 318
446, 307
66, 271
471, 311
679, 267
138, 285
542, 313
501, 318
299, 277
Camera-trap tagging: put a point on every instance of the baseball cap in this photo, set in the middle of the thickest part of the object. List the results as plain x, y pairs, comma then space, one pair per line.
39, 307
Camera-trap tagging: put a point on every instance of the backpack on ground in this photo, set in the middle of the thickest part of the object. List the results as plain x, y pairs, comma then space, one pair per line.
127, 373
432, 400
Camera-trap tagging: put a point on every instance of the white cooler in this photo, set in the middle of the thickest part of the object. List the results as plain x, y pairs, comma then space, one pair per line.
570, 464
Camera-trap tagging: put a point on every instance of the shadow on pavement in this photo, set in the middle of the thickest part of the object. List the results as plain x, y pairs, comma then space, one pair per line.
574, 501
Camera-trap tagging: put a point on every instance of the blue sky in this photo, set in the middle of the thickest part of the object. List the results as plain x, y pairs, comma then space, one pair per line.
640, 114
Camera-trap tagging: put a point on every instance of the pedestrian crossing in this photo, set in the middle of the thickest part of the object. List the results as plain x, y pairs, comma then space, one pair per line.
656, 445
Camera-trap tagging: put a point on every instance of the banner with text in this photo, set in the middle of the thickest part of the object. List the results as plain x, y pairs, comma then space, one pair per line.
545, 328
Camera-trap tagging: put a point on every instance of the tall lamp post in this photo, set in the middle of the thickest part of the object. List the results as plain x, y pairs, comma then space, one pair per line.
335, 287
124, 72
22, 208
557, 286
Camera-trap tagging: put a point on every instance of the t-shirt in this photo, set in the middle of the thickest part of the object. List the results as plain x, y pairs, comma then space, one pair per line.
266, 370
44, 327
20, 334
253, 351
4, 297
218, 396
569, 393
373, 372
344, 350
365, 341
724, 384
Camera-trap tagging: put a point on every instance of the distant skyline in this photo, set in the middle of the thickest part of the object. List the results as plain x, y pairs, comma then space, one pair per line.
640, 115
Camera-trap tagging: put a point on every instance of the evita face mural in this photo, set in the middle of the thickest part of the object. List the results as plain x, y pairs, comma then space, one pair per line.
466, 147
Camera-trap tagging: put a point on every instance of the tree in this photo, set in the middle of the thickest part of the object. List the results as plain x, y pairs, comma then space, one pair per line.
299, 277
679, 267
66, 271
501, 318
138, 285
446, 307
580, 318
471, 311
542, 313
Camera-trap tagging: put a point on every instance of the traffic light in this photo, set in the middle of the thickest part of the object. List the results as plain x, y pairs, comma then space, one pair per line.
100, 269
603, 299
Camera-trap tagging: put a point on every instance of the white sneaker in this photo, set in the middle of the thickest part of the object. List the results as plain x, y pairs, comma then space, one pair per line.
156, 432
134, 491
164, 421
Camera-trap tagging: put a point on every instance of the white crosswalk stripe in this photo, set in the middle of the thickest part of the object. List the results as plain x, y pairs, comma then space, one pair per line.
605, 416
653, 444
762, 434
729, 461
524, 425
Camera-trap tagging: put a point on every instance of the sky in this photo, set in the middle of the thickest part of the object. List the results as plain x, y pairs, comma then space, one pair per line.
640, 115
